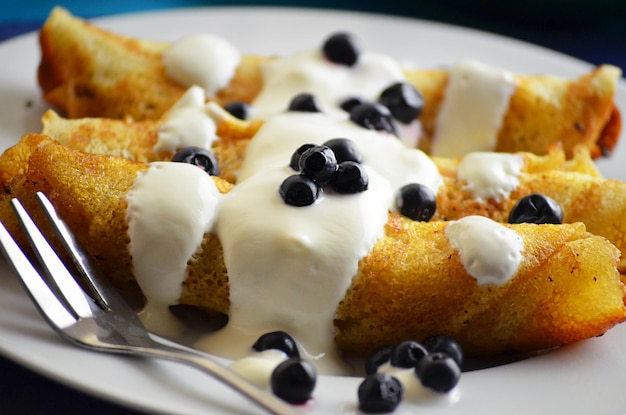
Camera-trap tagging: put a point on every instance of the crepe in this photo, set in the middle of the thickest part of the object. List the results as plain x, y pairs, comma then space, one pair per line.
410, 285
81, 75
574, 183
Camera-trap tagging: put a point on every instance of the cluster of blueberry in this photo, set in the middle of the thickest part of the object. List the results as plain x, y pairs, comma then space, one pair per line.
335, 164
436, 362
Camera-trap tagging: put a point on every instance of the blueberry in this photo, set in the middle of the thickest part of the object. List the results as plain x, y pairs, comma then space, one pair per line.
536, 208
407, 354
349, 103
318, 163
417, 201
439, 372
379, 393
198, 156
341, 48
238, 109
350, 178
304, 103
440, 343
277, 340
299, 190
294, 380
373, 117
378, 357
294, 163
403, 100
344, 149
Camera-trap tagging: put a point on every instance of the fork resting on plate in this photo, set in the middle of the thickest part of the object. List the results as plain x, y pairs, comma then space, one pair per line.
102, 321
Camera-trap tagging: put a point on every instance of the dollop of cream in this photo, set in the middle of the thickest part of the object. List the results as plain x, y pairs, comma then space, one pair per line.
489, 251
188, 123
170, 208
204, 59
309, 71
476, 100
258, 366
490, 175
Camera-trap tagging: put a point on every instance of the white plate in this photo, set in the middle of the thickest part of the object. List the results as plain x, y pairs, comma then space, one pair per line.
580, 379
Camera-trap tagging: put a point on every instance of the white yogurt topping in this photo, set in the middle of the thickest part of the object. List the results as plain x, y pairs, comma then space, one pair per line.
289, 267
309, 71
188, 122
258, 366
490, 175
489, 251
476, 100
170, 208
204, 59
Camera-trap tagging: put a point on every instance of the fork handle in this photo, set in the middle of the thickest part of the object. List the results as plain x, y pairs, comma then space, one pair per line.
270, 402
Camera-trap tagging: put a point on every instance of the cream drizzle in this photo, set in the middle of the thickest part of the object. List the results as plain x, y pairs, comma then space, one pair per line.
476, 100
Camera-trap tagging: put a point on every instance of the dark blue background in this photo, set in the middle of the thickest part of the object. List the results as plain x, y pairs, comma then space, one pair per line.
594, 31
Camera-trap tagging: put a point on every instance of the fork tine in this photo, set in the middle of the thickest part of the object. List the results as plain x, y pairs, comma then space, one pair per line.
73, 294
47, 302
103, 291
71, 245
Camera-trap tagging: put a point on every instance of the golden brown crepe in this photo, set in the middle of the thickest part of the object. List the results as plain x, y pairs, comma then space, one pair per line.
411, 285
88, 72
575, 184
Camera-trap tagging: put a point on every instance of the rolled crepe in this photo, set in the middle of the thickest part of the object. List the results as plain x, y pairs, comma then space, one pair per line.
80, 75
574, 183
412, 284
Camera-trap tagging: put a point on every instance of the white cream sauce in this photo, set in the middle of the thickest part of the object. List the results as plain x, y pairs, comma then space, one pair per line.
189, 122
204, 59
490, 175
309, 71
257, 367
489, 251
476, 100
302, 260
170, 208
288, 266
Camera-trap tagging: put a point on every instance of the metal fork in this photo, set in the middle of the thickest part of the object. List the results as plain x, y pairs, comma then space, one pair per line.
104, 321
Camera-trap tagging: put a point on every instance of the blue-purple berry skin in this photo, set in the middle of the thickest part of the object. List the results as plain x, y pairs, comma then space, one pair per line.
299, 190
404, 101
417, 201
438, 372
441, 343
344, 149
378, 357
278, 340
407, 354
238, 109
341, 48
536, 208
294, 380
373, 116
318, 163
380, 393
198, 156
350, 178
304, 103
